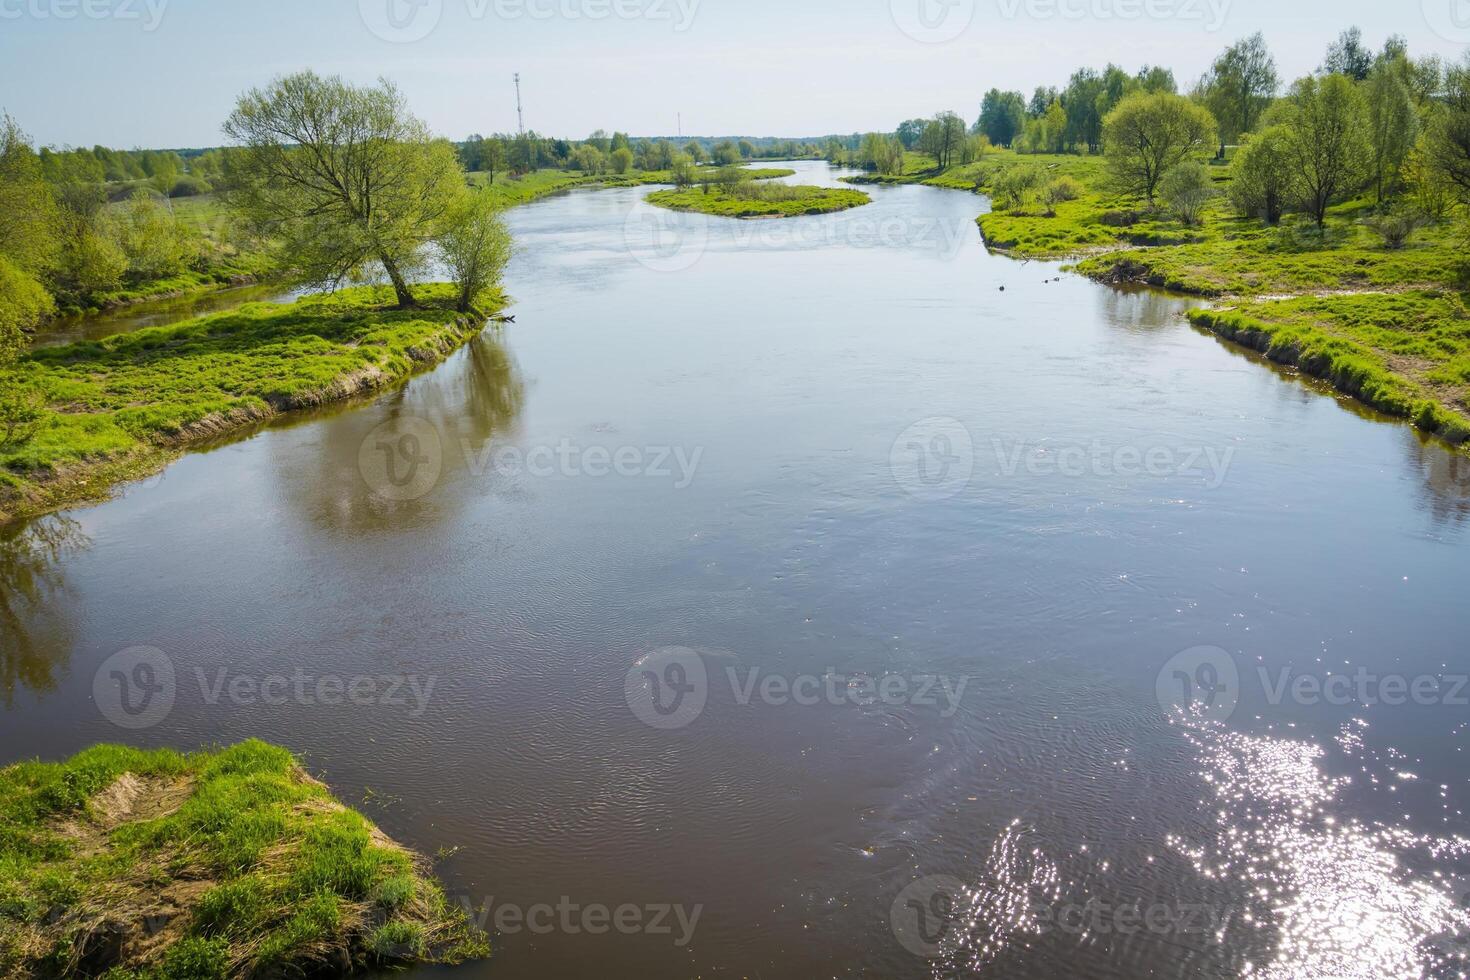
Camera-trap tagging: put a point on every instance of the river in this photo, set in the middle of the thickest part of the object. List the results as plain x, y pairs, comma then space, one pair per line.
812, 598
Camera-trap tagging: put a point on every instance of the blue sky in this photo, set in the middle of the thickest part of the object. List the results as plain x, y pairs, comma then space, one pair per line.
166, 72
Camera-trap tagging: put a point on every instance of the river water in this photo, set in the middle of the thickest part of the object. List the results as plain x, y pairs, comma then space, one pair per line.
823, 597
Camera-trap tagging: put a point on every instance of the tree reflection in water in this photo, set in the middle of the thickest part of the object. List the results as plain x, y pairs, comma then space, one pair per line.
1445, 491
474, 398
33, 631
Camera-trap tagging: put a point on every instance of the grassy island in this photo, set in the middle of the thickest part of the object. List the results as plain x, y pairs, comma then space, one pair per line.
122, 407
155, 865
752, 200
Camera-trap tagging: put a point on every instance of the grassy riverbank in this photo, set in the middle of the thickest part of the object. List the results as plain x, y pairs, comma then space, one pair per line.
122, 407
1406, 354
751, 200
1387, 325
156, 865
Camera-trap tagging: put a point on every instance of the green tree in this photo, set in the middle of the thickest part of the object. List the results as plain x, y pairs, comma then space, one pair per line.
589, 159
1148, 135
1084, 94
475, 245
1239, 87
156, 245
1448, 145
1157, 79
684, 171
1393, 125
726, 154
942, 138
622, 160
1263, 179
695, 149
342, 176
1347, 56
910, 131
1002, 116
29, 218
1329, 149
747, 149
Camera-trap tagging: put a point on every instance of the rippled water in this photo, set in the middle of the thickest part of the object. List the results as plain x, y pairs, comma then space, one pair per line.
845, 452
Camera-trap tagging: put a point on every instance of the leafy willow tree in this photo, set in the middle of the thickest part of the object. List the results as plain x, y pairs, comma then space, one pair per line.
475, 246
1263, 181
1002, 116
1393, 125
341, 176
1041, 100
1146, 136
1329, 150
1239, 87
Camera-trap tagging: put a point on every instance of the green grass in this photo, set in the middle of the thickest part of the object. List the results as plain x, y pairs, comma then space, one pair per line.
122, 406
751, 200
227, 863
1406, 354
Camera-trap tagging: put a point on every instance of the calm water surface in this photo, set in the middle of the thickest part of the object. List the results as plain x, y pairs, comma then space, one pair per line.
845, 452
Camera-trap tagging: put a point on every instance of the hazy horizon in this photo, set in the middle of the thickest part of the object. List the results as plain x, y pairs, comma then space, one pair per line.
98, 69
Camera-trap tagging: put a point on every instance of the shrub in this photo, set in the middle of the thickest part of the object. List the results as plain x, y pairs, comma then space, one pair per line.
1185, 190
1395, 228
1016, 187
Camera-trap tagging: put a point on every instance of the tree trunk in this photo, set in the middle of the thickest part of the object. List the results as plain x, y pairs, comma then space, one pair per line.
400, 286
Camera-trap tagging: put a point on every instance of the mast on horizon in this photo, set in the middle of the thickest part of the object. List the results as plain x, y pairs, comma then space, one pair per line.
520, 116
